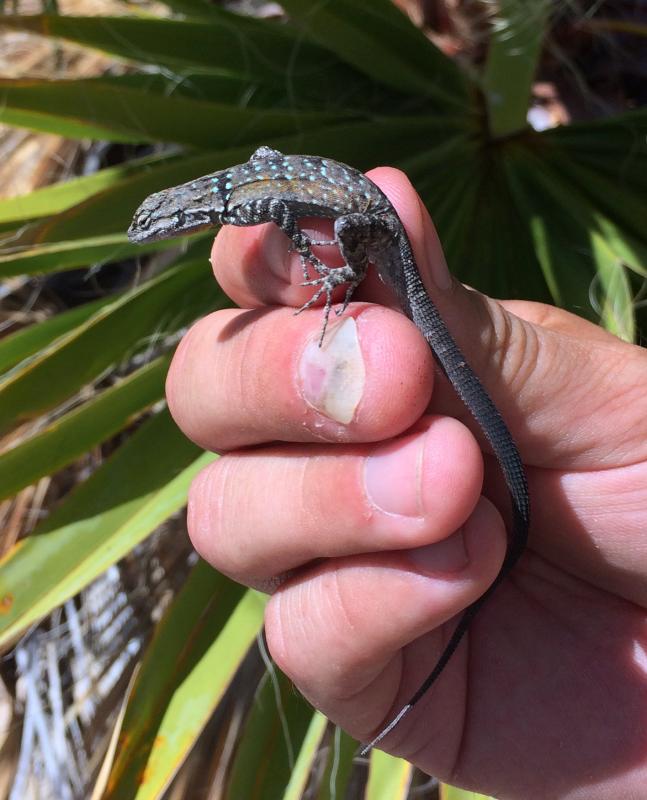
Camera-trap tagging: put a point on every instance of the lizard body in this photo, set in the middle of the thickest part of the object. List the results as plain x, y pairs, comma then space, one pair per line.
272, 187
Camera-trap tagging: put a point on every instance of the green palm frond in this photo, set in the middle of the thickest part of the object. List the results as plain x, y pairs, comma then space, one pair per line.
556, 216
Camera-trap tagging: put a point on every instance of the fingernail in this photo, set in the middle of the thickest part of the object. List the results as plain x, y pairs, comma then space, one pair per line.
392, 476
332, 376
448, 555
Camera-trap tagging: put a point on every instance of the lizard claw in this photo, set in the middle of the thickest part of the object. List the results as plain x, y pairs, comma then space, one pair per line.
347, 297
308, 259
304, 265
329, 278
324, 243
325, 286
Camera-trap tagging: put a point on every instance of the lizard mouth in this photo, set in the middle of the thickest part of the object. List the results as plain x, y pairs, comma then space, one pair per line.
140, 230
147, 226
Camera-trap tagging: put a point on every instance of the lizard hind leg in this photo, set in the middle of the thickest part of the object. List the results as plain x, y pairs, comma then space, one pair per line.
354, 235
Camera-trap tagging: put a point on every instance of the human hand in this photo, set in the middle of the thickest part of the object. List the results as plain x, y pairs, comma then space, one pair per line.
352, 485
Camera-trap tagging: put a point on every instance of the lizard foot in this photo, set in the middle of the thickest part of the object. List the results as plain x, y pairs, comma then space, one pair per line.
329, 278
308, 259
302, 244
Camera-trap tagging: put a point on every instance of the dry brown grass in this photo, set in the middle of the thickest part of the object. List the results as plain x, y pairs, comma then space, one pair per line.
27, 159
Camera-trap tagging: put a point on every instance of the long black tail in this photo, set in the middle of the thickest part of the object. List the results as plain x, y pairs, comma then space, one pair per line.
419, 306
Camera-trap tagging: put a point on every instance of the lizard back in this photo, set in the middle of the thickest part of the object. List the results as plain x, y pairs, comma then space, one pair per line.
310, 185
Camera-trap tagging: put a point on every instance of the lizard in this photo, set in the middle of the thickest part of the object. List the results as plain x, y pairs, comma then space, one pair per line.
278, 188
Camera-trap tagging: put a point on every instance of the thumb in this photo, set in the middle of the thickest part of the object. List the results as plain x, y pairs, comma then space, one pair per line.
491, 340
553, 376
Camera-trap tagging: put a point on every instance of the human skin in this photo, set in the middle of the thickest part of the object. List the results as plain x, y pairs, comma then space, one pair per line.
352, 487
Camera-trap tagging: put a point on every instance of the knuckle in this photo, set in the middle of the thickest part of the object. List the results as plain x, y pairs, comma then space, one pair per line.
314, 635
510, 347
183, 376
206, 518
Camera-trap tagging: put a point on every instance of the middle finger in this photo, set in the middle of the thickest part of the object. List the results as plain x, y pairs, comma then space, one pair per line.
256, 514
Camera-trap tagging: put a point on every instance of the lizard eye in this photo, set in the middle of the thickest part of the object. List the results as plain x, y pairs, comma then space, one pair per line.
143, 220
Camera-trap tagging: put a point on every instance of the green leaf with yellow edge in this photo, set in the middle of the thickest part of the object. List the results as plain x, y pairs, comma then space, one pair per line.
626, 249
484, 234
514, 50
306, 758
197, 648
596, 283
25, 342
125, 114
609, 196
110, 211
60, 196
595, 201
389, 778
556, 238
361, 144
379, 40
355, 95
73, 253
616, 303
49, 121
620, 137
263, 51
113, 332
142, 484
82, 428
607, 160
273, 732
342, 752
448, 792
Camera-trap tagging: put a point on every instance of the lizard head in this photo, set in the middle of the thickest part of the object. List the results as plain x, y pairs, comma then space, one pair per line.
183, 209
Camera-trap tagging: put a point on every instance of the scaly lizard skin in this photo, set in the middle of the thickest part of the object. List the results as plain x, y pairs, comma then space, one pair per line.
272, 187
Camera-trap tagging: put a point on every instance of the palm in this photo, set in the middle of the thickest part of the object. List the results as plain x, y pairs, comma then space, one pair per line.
550, 693
555, 679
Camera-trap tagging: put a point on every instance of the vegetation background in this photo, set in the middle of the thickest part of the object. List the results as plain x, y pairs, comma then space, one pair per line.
132, 670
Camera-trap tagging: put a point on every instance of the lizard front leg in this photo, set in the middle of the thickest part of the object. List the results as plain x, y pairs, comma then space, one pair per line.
256, 212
